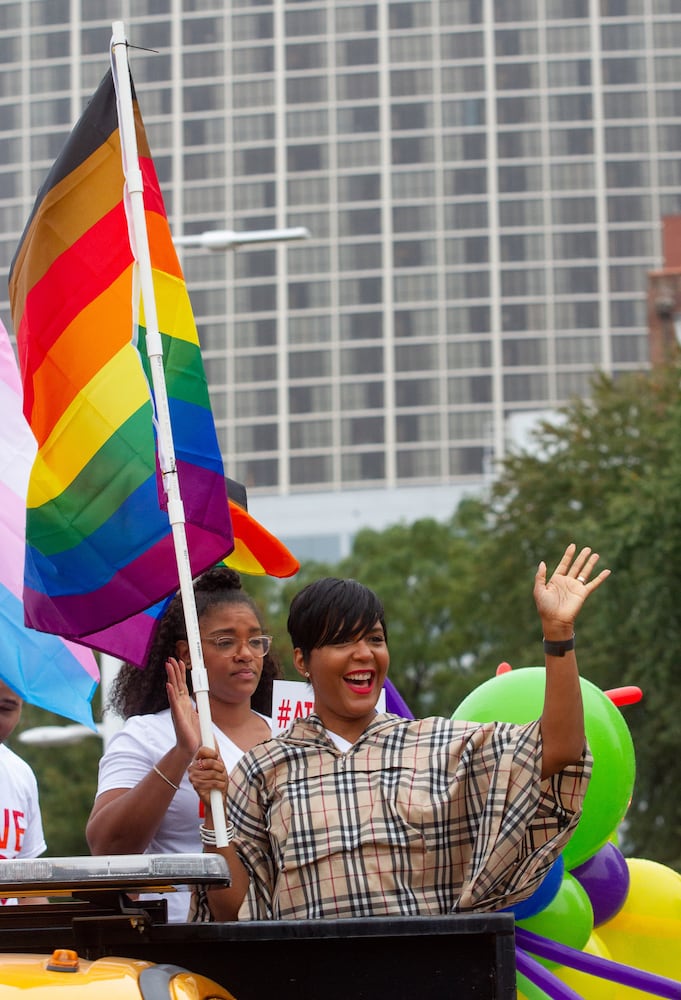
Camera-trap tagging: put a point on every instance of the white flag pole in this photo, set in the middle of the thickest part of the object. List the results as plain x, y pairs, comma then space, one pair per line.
140, 246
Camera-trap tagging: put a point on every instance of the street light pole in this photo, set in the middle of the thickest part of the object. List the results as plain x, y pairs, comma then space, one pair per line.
228, 239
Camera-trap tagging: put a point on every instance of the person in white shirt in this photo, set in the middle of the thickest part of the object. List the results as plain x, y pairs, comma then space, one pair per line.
21, 824
145, 802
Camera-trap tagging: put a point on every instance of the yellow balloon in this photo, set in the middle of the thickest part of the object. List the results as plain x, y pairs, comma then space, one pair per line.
647, 930
585, 985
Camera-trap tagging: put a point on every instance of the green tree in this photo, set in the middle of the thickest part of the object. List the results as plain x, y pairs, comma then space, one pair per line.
606, 472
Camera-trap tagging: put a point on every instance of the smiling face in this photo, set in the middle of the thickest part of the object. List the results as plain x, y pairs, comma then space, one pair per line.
232, 676
10, 710
347, 679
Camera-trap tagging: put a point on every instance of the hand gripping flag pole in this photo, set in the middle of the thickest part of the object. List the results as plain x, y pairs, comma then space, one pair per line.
134, 200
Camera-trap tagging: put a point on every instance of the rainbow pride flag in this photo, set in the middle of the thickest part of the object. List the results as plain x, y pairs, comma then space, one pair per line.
99, 546
53, 673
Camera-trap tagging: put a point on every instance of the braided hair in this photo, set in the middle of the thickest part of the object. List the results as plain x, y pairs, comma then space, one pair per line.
143, 692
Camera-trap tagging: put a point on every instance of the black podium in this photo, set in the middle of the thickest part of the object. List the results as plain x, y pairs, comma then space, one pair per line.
382, 958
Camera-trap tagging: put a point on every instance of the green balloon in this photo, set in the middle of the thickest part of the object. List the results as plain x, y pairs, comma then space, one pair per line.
528, 990
518, 696
568, 918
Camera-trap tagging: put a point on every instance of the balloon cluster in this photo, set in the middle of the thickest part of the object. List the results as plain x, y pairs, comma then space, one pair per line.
595, 910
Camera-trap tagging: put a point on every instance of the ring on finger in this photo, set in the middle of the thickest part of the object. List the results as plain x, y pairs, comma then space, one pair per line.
582, 579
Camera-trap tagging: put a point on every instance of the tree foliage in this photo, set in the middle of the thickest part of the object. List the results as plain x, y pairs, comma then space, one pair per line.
606, 473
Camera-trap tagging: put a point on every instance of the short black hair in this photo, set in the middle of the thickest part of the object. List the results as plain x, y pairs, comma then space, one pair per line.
332, 610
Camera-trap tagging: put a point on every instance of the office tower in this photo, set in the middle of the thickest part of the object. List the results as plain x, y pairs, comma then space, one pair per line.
484, 184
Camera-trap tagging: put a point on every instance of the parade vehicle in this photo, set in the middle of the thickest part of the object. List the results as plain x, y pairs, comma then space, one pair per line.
94, 932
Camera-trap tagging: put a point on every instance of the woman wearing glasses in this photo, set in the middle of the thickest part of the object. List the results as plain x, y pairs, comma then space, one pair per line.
144, 800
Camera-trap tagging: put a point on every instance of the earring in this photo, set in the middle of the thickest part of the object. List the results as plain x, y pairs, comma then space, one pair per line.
307, 673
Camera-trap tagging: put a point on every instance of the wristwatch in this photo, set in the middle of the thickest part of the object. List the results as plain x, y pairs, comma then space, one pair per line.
560, 647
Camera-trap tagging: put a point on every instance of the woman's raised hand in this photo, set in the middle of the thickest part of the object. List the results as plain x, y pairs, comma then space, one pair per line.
560, 599
183, 711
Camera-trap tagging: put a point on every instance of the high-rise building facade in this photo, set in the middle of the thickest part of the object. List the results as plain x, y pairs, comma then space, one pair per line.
483, 181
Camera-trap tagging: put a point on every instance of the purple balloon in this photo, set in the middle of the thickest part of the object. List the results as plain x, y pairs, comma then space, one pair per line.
604, 968
394, 702
544, 979
605, 879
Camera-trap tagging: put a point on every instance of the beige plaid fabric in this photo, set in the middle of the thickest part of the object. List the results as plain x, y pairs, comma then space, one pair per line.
418, 818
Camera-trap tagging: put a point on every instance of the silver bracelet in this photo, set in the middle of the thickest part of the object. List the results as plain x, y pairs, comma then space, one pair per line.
209, 836
167, 780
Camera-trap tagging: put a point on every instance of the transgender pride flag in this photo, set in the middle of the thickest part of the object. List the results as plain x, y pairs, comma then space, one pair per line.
52, 673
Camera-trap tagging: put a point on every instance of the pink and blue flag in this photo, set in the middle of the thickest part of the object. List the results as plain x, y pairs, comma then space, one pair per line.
45, 670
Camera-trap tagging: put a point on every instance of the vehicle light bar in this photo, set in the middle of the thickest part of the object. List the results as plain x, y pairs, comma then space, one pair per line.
134, 872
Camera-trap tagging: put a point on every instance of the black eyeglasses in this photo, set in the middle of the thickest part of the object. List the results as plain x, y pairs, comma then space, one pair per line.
229, 645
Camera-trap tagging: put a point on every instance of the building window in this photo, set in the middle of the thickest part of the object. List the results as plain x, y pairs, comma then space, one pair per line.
517, 76
523, 282
363, 467
311, 434
516, 317
357, 52
359, 187
525, 353
414, 253
578, 351
571, 142
362, 396
466, 389
357, 86
362, 430
527, 387
463, 354
310, 398
306, 90
461, 45
257, 437
309, 364
305, 55
417, 392
421, 463
575, 245
308, 157
417, 357
576, 280
364, 118
577, 314
362, 360
309, 470
412, 427
468, 319
467, 461
361, 291
361, 257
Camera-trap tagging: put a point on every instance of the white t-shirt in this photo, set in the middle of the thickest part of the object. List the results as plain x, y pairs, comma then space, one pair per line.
132, 752
21, 825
